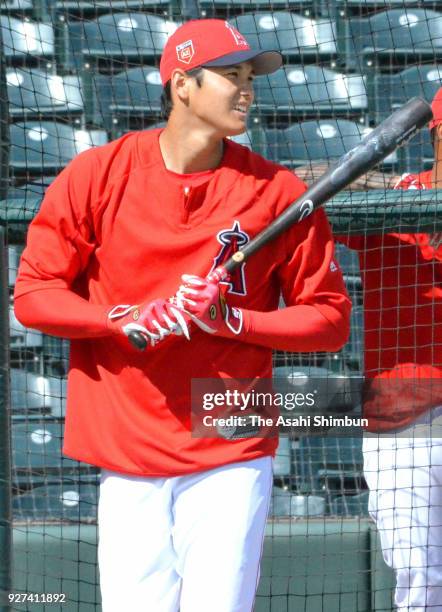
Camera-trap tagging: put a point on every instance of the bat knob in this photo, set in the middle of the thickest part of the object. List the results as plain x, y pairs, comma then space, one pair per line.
137, 340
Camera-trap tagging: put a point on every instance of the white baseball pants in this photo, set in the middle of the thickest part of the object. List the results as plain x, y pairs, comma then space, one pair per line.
190, 543
404, 475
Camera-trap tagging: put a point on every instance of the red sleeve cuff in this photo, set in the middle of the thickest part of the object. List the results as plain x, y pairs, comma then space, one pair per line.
301, 328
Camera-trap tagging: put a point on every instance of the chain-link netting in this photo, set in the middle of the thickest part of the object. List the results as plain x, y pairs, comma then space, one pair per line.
79, 74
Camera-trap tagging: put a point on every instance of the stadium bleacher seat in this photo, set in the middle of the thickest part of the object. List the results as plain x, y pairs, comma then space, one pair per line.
285, 503
14, 252
290, 379
282, 461
338, 453
353, 351
47, 146
351, 505
35, 395
34, 189
354, 288
36, 446
333, 391
330, 464
280, 502
243, 139
311, 90
390, 91
17, 6
348, 260
72, 499
305, 466
56, 356
88, 7
35, 92
392, 36
359, 8
21, 337
134, 36
209, 7
129, 94
255, 139
340, 482
418, 154
321, 140
382, 4
26, 39
294, 35
278, 146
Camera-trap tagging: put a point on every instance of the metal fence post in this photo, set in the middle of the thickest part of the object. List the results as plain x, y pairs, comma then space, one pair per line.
5, 430
4, 127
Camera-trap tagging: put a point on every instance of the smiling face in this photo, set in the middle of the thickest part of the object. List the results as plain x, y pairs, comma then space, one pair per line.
220, 102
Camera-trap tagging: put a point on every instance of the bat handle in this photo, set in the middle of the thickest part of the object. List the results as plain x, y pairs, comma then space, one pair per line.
218, 275
137, 339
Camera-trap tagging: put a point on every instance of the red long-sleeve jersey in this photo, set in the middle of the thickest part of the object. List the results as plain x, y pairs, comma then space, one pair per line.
402, 283
116, 227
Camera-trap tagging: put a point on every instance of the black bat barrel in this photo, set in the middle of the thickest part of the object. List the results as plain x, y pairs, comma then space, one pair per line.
376, 146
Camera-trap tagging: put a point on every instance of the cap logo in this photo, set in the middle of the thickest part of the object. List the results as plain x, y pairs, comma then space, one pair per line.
237, 36
185, 52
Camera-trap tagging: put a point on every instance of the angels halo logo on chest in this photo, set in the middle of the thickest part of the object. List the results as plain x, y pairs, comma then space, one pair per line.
231, 241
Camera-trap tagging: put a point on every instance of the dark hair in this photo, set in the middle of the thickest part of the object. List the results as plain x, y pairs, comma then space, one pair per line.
166, 96
166, 101
433, 135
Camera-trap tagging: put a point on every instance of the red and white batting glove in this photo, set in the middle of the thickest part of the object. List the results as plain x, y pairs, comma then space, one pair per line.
154, 320
204, 302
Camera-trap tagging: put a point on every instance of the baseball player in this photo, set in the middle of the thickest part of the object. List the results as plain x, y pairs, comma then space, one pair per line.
122, 229
402, 285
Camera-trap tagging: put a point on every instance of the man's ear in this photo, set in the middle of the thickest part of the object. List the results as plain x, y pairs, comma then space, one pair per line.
179, 84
